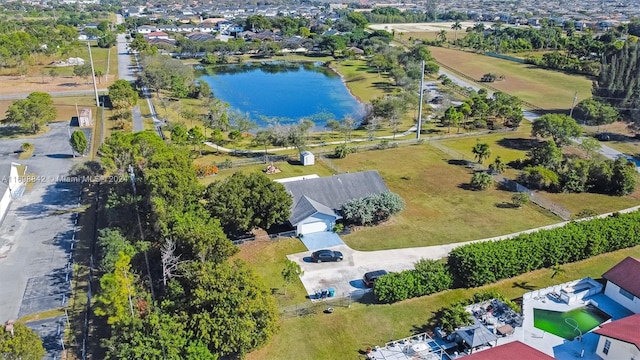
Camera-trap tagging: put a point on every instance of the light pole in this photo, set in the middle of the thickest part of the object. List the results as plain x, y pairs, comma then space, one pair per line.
419, 127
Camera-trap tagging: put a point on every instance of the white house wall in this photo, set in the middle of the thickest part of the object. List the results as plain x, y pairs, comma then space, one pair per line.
326, 219
613, 291
619, 350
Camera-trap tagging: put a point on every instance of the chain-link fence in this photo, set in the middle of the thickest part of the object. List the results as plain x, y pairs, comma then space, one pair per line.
327, 305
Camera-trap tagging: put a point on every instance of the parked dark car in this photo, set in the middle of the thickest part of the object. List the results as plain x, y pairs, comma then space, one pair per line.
326, 255
603, 137
371, 277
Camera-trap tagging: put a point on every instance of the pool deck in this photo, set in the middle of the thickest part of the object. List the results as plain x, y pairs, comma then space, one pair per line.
556, 346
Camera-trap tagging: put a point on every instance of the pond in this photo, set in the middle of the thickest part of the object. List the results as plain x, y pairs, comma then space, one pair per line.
283, 91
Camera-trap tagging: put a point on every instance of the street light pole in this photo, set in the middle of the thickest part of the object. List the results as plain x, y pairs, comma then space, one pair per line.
93, 75
573, 104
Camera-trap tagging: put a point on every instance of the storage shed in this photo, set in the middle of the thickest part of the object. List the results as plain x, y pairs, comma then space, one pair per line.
307, 158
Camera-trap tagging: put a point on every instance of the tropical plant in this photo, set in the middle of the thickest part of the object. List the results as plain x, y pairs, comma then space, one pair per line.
481, 152
481, 180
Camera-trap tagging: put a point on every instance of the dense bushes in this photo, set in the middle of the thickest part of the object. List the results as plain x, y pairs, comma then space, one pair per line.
428, 277
372, 209
487, 262
482, 263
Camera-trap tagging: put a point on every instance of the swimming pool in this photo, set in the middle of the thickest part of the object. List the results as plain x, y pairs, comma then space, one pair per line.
569, 324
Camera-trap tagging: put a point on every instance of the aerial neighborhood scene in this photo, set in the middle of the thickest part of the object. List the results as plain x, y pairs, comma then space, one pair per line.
289, 179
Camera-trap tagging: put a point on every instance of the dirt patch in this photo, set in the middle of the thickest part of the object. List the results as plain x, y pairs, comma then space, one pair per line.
27, 84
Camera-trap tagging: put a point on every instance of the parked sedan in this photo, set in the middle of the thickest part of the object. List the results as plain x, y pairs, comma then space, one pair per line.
371, 277
326, 255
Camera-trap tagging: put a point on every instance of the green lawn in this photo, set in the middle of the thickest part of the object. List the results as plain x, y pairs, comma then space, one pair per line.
287, 170
268, 257
598, 203
547, 89
439, 210
346, 332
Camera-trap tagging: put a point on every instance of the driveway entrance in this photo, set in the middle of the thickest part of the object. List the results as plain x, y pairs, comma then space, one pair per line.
321, 240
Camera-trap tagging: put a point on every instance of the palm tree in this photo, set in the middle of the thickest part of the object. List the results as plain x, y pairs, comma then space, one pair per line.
557, 270
455, 27
478, 27
481, 151
442, 35
498, 165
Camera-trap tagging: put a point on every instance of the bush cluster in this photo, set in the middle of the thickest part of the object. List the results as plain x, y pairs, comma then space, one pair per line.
428, 277
206, 170
372, 209
478, 264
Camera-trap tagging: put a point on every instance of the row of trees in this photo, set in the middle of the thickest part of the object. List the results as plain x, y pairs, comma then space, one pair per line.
481, 111
549, 169
478, 264
169, 288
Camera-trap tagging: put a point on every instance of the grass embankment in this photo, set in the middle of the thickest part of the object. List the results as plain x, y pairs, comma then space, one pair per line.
547, 89
347, 332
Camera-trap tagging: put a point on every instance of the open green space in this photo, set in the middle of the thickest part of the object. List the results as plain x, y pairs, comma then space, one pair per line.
594, 203
547, 89
348, 331
286, 170
268, 258
439, 210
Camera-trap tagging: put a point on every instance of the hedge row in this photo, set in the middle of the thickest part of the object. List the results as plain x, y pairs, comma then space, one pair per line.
483, 263
428, 277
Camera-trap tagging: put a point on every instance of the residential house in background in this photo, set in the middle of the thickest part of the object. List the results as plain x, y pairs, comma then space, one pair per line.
620, 339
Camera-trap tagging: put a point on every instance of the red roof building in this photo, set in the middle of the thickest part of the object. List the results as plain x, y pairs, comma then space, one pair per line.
619, 339
510, 351
623, 283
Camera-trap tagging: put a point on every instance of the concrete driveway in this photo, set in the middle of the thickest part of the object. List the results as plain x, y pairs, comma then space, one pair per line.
346, 276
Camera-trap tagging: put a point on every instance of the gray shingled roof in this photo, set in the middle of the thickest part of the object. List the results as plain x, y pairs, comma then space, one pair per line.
329, 193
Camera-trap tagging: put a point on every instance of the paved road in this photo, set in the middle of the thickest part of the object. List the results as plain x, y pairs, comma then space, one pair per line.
35, 236
346, 276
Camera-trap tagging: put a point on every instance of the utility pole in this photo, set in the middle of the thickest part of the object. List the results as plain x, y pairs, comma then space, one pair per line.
106, 75
419, 127
93, 75
573, 104
132, 176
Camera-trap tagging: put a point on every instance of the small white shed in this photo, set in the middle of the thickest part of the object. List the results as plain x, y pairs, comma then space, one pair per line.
307, 158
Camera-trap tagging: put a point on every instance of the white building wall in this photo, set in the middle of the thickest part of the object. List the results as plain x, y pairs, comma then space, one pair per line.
613, 291
618, 350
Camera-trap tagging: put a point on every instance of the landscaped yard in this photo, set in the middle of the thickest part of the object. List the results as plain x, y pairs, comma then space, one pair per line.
439, 209
547, 89
348, 331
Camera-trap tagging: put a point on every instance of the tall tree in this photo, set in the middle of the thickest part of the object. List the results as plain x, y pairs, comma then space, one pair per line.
20, 343
245, 202
481, 152
79, 142
33, 112
561, 128
290, 273
122, 94
457, 25
115, 300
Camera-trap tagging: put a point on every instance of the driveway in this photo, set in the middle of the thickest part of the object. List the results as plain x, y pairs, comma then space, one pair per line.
321, 240
36, 234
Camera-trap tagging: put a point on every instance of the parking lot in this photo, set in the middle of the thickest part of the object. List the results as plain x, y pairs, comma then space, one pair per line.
37, 232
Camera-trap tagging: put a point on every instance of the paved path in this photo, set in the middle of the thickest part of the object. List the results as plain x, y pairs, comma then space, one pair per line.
62, 93
346, 276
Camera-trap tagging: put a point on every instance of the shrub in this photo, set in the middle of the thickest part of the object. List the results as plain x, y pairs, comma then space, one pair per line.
428, 277
519, 199
206, 170
26, 146
478, 264
538, 177
481, 181
454, 317
343, 150
372, 209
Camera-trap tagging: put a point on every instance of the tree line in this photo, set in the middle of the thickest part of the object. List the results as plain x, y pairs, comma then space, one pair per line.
168, 286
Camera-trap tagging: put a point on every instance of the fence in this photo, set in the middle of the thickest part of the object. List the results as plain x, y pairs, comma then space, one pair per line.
275, 237
326, 305
509, 184
505, 57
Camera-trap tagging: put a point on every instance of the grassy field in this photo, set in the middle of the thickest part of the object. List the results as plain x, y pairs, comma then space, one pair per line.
363, 82
348, 331
287, 170
598, 203
439, 209
549, 90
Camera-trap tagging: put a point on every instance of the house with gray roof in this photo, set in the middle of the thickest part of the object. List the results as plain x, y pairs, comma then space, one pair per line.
316, 201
